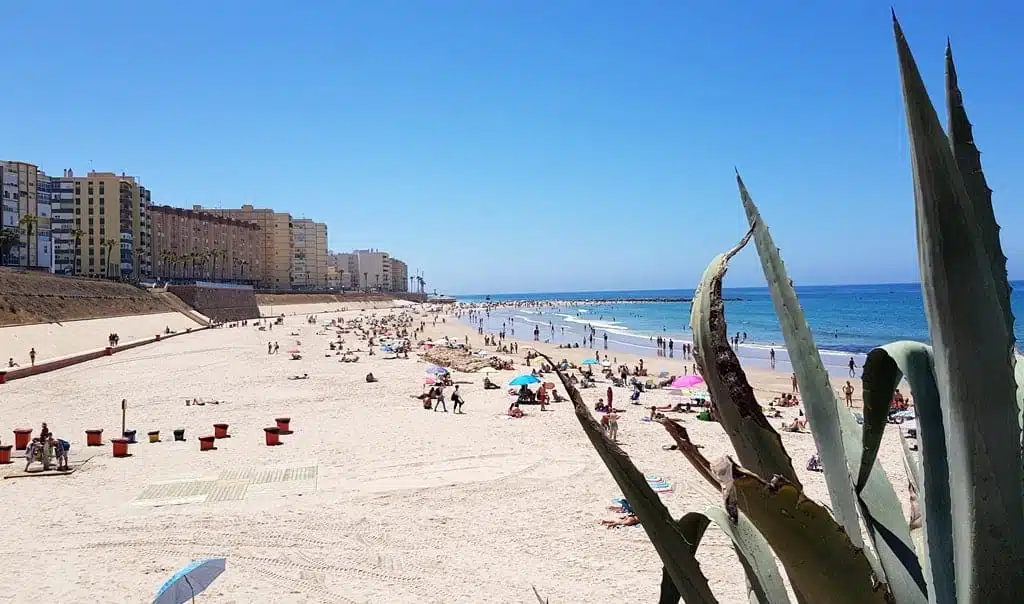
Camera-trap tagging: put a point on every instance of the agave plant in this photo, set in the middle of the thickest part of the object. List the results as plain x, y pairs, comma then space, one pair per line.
964, 540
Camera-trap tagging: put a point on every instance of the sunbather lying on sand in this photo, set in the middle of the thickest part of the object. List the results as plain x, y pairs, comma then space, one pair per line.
370, 379
304, 376
199, 402
627, 520
799, 425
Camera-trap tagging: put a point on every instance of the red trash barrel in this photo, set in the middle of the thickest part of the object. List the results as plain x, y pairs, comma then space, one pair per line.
21, 438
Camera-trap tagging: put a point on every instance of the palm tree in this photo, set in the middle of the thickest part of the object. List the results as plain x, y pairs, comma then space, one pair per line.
224, 261
213, 255
28, 222
165, 259
341, 279
201, 259
76, 235
366, 281
9, 239
109, 245
377, 276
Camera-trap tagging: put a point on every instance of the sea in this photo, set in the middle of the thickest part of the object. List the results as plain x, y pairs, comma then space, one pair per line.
847, 321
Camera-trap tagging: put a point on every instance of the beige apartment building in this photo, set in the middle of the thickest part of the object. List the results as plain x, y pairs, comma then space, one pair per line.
309, 260
113, 226
399, 275
277, 242
373, 270
193, 244
341, 270
25, 206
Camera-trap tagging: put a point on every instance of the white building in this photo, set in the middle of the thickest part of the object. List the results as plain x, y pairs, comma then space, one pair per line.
25, 191
373, 270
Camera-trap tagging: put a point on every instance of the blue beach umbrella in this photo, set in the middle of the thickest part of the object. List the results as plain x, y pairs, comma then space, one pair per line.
590, 361
435, 370
524, 380
189, 581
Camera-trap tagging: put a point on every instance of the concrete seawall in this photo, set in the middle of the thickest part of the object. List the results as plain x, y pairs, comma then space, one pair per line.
219, 301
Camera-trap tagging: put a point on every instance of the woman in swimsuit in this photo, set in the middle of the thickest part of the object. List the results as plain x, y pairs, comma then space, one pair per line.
613, 425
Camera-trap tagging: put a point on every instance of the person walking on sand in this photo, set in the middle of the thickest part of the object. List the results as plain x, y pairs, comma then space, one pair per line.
796, 386
32, 356
853, 367
270, 348
771, 358
440, 398
457, 401
613, 425
848, 392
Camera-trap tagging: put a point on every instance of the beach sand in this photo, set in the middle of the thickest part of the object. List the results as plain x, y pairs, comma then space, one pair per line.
372, 499
70, 337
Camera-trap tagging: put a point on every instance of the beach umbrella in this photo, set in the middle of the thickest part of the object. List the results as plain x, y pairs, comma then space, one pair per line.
687, 381
292, 350
524, 380
435, 370
549, 385
189, 581
429, 381
590, 361
386, 349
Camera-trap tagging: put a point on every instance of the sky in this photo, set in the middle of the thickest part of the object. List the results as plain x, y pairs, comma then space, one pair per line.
525, 145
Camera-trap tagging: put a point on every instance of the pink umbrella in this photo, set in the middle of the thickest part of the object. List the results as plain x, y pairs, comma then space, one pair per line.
429, 381
292, 351
687, 381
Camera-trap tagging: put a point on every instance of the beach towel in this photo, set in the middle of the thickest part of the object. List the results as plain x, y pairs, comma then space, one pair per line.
626, 508
659, 484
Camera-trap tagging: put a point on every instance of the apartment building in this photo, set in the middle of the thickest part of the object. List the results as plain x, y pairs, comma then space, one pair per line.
25, 205
278, 242
193, 244
373, 270
110, 234
309, 259
66, 239
399, 275
341, 270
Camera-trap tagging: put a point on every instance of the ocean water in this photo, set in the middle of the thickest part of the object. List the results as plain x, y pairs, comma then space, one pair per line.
847, 320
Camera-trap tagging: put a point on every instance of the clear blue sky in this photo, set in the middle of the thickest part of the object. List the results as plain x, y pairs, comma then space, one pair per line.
524, 145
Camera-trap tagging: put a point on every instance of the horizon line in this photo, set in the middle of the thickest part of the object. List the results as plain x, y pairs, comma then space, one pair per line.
668, 289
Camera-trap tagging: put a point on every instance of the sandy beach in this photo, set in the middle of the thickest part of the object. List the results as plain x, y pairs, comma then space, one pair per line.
55, 340
372, 499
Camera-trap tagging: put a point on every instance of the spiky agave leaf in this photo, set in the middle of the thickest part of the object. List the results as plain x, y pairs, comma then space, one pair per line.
837, 434
883, 370
974, 365
692, 525
916, 520
757, 445
968, 161
661, 529
817, 553
815, 387
763, 578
